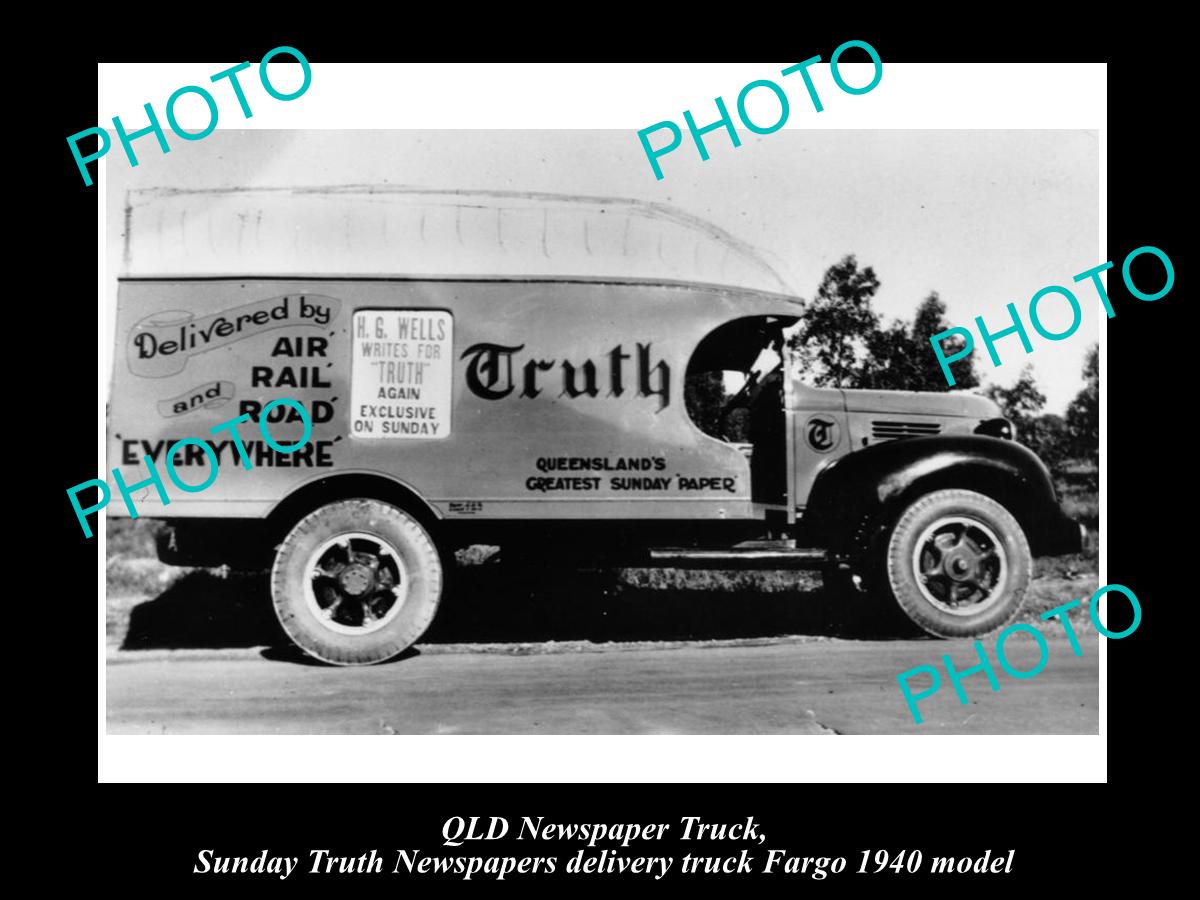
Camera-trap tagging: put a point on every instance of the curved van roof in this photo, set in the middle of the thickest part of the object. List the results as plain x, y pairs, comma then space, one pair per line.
392, 231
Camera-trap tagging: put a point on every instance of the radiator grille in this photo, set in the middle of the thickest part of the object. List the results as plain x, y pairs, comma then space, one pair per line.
892, 431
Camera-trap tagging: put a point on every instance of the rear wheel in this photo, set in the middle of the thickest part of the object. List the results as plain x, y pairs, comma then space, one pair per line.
958, 564
356, 582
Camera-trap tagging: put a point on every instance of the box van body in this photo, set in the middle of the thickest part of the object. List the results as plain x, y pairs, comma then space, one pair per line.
536, 409
469, 393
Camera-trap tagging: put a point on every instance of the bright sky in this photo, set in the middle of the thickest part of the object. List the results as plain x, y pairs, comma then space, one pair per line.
983, 217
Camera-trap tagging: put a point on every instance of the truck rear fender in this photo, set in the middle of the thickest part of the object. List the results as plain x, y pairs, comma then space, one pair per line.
344, 486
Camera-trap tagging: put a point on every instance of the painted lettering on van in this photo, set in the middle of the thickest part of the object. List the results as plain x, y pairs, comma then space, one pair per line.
161, 344
490, 374
204, 396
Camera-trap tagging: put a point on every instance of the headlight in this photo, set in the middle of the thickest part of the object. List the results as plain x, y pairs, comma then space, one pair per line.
1000, 428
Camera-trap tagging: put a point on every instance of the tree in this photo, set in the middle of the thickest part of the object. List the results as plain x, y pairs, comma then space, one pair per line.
842, 343
930, 320
890, 364
1083, 415
1020, 403
899, 357
1047, 436
834, 334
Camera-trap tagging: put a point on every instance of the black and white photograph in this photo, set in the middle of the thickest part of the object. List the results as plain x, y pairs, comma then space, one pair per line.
494, 432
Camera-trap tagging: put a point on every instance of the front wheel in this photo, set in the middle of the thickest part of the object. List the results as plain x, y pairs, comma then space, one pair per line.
356, 582
958, 564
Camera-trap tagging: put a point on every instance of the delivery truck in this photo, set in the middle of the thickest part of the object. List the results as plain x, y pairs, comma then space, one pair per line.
575, 380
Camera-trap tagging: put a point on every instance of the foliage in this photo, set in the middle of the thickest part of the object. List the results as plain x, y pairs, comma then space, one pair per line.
1083, 415
900, 358
842, 343
832, 339
1055, 439
1047, 437
1021, 403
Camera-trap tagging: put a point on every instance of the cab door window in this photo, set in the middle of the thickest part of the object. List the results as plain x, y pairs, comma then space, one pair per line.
734, 393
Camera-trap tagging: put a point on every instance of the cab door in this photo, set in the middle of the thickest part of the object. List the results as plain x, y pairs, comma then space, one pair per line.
816, 428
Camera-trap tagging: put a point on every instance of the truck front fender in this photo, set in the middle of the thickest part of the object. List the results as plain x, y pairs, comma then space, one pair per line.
856, 498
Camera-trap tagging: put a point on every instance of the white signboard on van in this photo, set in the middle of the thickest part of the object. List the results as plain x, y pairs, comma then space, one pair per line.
401, 375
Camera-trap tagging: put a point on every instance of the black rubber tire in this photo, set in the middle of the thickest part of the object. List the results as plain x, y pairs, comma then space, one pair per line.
411, 541
902, 580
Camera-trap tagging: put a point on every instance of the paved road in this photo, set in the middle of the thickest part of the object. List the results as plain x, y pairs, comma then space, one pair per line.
783, 686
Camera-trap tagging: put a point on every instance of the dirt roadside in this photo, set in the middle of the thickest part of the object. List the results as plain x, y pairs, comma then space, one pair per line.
820, 687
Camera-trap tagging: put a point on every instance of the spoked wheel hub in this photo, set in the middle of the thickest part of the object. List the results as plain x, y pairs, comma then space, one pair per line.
356, 583
961, 565
357, 579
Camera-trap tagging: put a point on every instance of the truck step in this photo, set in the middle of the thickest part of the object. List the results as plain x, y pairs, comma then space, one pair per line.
779, 557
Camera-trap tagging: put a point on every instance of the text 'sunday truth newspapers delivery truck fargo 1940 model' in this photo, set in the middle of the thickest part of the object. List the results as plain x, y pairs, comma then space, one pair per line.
569, 378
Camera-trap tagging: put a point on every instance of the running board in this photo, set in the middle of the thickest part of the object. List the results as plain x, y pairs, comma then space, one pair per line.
749, 558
